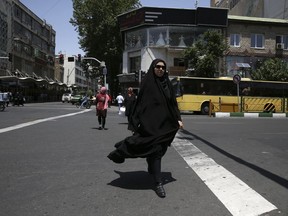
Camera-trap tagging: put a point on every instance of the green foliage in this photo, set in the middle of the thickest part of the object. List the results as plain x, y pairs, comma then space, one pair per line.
204, 55
273, 69
99, 33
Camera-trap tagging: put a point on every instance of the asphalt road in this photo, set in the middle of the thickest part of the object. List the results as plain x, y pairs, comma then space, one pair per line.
53, 162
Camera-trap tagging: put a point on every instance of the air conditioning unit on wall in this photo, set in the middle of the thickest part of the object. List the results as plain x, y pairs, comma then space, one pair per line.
280, 46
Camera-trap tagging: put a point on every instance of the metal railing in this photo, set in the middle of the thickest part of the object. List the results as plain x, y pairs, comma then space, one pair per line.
251, 104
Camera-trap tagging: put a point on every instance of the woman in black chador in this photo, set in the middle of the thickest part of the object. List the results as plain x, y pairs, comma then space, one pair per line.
155, 121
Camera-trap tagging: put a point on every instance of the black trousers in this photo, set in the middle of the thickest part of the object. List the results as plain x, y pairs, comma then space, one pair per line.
154, 164
101, 117
102, 121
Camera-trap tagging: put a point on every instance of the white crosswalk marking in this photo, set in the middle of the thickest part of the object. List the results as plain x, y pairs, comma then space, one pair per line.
236, 196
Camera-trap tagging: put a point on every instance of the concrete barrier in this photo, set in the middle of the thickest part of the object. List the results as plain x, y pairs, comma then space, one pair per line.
250, 115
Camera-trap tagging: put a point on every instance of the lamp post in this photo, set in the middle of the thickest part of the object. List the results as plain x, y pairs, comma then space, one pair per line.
68, 75
105, 73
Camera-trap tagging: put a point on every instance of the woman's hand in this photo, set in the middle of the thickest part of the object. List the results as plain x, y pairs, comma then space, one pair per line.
180, 124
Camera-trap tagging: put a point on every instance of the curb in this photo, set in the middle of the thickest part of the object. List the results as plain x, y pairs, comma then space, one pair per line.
250, 115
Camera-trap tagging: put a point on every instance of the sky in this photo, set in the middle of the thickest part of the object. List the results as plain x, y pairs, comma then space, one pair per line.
58, 13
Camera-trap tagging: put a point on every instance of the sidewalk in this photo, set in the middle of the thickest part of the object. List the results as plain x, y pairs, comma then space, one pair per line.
250, 115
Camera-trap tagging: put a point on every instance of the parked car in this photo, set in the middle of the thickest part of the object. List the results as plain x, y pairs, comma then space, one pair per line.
66, 97
75, 98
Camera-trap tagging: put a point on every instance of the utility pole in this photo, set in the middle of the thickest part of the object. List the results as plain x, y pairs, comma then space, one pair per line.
68, 75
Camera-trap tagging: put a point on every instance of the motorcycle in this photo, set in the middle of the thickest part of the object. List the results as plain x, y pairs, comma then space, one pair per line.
87, 105
2, 105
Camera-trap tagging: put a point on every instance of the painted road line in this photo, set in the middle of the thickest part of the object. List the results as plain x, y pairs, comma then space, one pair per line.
26, 124
235, 194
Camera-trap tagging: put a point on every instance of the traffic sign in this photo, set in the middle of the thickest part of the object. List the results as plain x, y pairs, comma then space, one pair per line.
236, 78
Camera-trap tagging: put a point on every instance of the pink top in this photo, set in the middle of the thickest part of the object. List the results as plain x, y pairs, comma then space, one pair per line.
102, 101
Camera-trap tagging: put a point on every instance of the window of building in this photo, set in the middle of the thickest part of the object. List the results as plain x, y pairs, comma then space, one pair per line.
135, 64
282, 41
257, 41
179, 62
235, 40
135, 39
172, 36
17, 12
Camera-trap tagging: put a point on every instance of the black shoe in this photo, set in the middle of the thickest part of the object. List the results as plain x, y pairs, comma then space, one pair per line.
100, 128
160, 190
116, 158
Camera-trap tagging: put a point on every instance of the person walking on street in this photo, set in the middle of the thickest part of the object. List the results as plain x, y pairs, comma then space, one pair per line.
129, 102
120, 100
155, 121
102, 100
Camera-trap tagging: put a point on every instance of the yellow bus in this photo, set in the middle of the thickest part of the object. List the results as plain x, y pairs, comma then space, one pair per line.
199, 94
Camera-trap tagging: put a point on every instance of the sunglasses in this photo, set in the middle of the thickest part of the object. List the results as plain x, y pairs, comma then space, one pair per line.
160, 66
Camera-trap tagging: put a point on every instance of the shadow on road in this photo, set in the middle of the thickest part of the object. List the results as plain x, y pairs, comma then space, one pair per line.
138, 180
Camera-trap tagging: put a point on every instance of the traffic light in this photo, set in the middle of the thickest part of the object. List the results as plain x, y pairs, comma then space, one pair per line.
79, 57
142, 75
136, 75
10, 57
61, 59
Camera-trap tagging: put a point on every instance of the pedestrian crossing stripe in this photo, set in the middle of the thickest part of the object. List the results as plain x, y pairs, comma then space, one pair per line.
235, 194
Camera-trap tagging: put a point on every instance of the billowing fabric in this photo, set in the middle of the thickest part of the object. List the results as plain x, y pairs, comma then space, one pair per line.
154, 118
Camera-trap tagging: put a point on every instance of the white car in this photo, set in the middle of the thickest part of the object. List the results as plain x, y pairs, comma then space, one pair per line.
66, 97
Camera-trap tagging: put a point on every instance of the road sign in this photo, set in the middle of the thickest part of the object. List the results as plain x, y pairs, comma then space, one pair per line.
236, 78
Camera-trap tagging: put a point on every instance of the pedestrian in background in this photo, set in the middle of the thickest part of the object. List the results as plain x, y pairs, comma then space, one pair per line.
155, 121
129, 102
84, 100
120, 100
102, 100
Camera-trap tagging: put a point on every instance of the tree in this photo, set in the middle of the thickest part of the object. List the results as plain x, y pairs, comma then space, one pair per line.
99, 33
273, 69
204, 55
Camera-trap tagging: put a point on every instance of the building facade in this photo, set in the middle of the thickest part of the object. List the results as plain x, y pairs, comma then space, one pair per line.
75, 77
29, 40
255, 8
251, 40
150, 33
27, 54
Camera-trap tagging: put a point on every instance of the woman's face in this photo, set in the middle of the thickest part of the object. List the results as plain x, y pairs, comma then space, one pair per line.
159, 69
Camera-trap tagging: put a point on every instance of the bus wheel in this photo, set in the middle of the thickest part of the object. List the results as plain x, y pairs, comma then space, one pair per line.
205, 108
